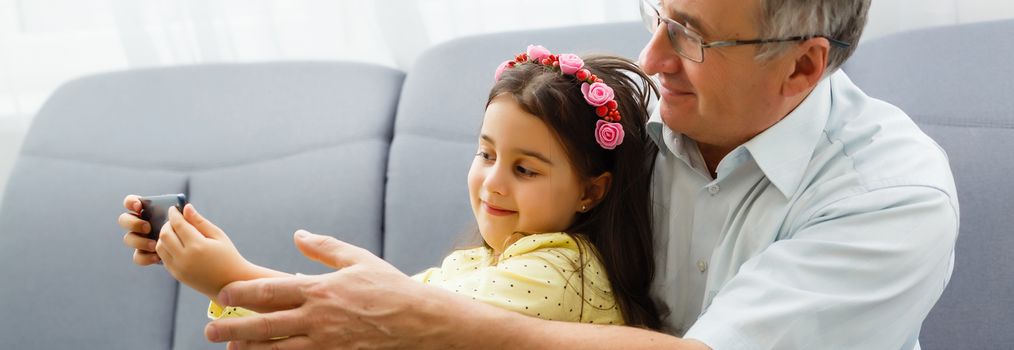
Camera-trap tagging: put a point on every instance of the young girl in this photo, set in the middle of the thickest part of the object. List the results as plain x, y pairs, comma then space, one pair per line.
559, 189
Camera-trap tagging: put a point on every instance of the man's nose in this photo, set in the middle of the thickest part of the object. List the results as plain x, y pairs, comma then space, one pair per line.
658, 55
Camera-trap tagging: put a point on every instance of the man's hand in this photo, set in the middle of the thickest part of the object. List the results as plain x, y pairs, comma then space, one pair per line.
367, 303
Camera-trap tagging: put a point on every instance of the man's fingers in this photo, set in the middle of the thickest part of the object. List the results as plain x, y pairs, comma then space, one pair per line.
206, 228
298, 343
132, 223
330, 251
132, 202
265, 294
257, 327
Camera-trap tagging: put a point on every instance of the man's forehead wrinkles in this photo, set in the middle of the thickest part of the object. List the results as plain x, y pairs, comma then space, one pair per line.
680, 15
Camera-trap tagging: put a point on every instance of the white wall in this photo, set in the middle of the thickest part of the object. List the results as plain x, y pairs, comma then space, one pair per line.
12, 131
46, 42
890, 16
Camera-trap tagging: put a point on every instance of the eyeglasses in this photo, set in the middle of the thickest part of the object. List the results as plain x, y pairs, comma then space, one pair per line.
691, 45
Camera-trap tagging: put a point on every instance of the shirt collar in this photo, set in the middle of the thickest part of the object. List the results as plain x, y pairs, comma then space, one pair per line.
656, 129
674, 143
782, 152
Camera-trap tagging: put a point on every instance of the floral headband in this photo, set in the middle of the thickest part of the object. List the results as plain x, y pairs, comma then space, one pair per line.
608, 133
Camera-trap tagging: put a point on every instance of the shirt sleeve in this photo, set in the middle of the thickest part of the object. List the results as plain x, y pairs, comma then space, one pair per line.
860, 273
424, 276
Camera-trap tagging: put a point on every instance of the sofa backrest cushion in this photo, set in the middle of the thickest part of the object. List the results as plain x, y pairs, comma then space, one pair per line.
261, 150
427, 213
957, 83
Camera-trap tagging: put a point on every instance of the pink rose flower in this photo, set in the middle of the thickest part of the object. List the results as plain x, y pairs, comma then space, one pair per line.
500, 69
570, 63
536, 53
609, 135
597, 94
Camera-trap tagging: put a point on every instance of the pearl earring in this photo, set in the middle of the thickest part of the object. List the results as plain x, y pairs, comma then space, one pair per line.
584, 208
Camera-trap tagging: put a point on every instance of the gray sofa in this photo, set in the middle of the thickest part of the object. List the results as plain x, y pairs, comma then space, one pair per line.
378, 157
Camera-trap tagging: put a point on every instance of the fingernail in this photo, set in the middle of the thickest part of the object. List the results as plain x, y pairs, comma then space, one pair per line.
146, 227
137, 206
301, 234
151, 246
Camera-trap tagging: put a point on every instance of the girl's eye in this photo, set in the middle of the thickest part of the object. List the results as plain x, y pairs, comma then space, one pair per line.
525, 171
484, 155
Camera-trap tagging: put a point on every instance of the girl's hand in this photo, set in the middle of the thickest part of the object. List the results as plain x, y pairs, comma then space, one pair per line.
197, 253
144, 248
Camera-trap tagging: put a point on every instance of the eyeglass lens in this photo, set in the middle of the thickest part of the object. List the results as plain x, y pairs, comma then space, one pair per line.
684, 44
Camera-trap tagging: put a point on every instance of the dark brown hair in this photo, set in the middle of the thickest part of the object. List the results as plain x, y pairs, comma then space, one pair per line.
619, 227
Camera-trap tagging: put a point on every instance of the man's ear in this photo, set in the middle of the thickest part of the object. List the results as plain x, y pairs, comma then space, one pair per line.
808, 66
595, 190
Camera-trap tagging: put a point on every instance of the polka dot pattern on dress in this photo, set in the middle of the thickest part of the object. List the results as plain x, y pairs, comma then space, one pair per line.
539, 276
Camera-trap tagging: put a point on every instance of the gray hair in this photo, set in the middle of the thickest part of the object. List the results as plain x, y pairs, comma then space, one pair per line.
837, 19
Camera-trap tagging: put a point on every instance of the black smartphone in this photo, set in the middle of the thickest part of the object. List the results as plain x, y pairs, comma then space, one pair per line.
155, 210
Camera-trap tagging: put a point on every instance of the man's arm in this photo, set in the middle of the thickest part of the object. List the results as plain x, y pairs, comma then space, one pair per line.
368, 303
490, 327
522, 332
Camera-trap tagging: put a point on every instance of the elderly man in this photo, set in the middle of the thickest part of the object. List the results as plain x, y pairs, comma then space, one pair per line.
792, 211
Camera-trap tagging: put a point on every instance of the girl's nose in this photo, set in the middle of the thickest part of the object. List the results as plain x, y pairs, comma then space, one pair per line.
496, 180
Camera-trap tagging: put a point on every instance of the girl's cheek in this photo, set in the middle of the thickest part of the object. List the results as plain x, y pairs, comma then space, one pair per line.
475, 178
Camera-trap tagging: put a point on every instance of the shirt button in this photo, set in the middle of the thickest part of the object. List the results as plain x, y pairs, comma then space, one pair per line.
702, 265
713, 189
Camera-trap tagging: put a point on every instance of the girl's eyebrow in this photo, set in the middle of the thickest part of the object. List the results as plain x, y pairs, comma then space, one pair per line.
523, 151
535, 155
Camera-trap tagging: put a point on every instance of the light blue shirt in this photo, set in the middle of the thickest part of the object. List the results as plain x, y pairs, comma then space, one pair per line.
832, 229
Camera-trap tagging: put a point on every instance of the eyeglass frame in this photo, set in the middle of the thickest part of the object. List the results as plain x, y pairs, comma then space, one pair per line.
701, 44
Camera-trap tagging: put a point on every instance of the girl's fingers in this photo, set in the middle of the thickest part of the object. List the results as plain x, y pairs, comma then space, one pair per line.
138, 241
133, 203
164, 248
132, 223
204, 226
169, 239
145, 259
185, 232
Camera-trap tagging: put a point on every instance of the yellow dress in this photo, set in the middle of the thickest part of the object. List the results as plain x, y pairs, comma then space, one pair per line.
535, 276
